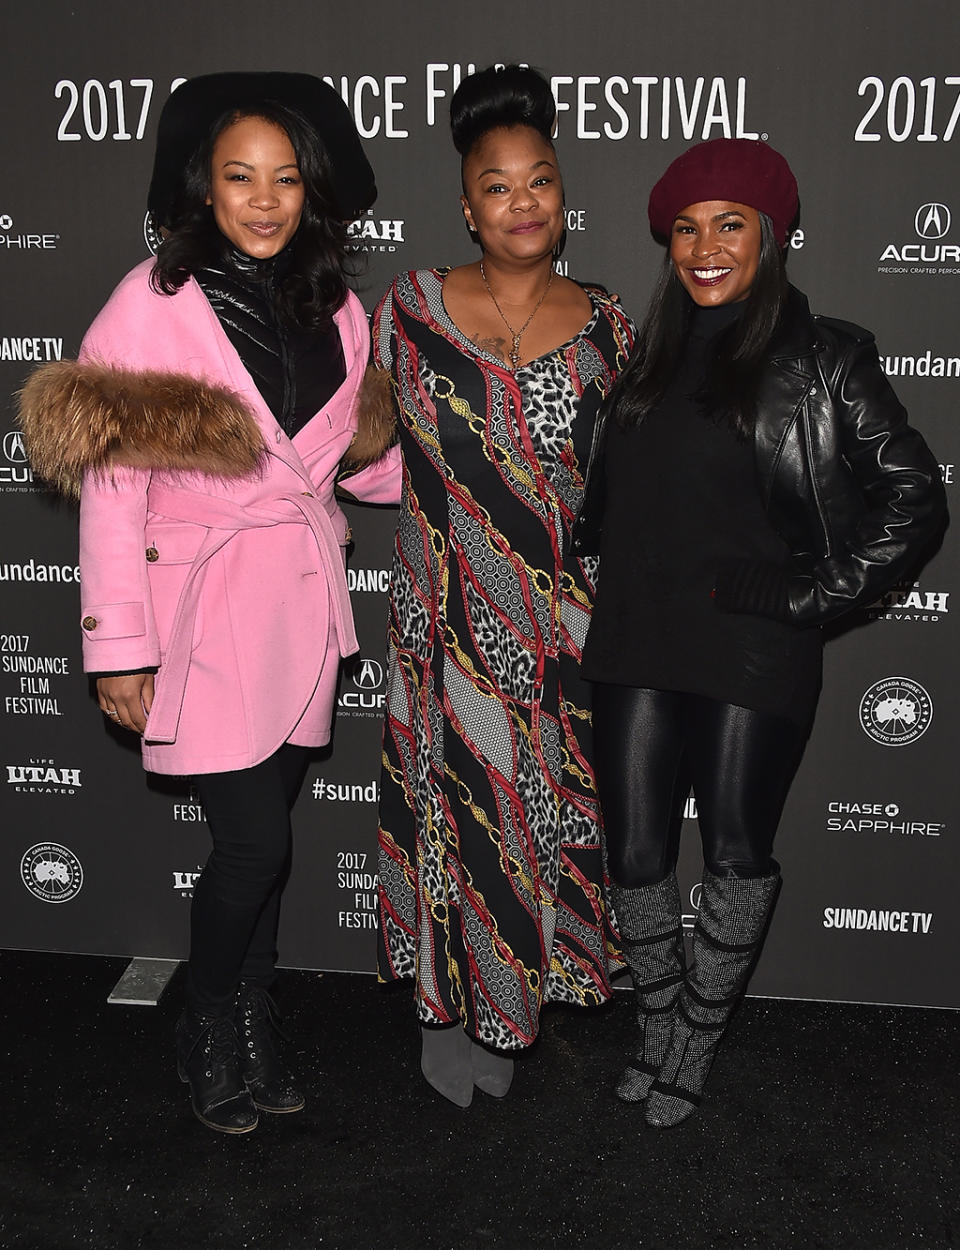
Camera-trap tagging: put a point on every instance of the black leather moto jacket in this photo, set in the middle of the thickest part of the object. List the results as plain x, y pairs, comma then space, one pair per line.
850, 486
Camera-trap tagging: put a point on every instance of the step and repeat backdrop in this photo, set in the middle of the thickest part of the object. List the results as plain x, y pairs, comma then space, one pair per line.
864, 100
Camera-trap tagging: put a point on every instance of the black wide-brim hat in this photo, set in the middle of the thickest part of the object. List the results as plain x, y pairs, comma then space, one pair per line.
191, 111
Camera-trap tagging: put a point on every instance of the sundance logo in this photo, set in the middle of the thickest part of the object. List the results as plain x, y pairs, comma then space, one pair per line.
36, 349
30, 571
345, 792
926, 365
369, 580
879, 921
190, 812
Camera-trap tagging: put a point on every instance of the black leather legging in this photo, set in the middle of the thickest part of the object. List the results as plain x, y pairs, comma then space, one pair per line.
236, 900
652, 745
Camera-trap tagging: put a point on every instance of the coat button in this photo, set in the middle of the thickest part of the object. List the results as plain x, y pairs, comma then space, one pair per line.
89, 623
153, 555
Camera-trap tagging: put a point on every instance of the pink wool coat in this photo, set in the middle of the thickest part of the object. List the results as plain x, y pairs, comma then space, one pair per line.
234, 587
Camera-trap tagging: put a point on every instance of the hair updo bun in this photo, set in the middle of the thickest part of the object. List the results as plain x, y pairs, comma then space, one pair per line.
495, 97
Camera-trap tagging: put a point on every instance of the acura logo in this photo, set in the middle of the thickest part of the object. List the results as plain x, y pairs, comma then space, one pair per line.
368, 675
13, 447
932, 221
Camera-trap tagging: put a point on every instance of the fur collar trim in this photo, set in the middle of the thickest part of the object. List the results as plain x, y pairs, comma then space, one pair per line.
79, 418
376, 420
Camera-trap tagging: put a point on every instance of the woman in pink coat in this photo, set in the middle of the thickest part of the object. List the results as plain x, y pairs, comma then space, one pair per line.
214, 405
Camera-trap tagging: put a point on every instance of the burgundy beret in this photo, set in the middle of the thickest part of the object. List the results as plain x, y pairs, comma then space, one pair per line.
191, 111
743, 171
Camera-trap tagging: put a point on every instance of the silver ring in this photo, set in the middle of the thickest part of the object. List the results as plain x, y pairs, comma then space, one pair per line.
116, 715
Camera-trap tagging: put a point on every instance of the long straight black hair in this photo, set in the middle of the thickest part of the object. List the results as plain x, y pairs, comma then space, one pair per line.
313, 286
733, 374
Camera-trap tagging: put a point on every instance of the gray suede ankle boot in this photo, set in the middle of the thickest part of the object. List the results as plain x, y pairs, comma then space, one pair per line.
445, 1062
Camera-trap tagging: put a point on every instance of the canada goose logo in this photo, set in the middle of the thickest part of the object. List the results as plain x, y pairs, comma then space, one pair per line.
52, 873
932, 221
895, 711
151, 233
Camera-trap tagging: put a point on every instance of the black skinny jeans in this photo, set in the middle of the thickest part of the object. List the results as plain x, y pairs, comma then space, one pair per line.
236, 900
652, 745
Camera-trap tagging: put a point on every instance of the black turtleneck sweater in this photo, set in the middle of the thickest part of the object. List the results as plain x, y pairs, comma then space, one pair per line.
296, 371
682, 499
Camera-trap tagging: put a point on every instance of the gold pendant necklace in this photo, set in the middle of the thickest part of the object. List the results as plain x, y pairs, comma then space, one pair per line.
517, 334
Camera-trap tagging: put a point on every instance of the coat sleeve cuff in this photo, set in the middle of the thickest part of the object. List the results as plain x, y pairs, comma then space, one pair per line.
116, 638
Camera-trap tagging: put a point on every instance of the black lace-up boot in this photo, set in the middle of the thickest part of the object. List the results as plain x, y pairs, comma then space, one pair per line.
259, 1029
207, 1060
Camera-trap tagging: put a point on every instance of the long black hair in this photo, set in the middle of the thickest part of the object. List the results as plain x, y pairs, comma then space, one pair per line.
509, 95
314, 285
733, 374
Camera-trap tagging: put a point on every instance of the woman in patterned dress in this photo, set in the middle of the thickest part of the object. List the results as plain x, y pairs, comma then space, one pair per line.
491, 871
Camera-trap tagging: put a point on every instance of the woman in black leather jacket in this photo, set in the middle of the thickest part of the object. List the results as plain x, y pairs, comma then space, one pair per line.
754, 477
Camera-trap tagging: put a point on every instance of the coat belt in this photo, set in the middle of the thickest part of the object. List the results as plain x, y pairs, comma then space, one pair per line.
224, 520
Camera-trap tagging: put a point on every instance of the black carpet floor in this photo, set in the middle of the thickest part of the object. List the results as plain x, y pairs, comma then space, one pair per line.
826, 1126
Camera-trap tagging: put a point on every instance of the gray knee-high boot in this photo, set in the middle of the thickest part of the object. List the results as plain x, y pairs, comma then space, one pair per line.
726, 940
649, 921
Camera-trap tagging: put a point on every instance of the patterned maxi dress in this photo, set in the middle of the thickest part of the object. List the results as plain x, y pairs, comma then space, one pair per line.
491, 866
